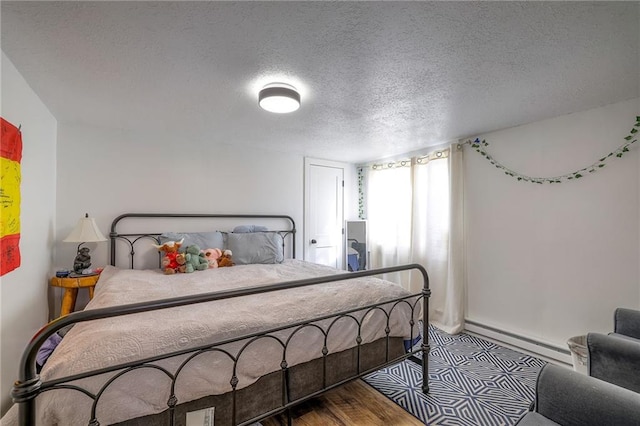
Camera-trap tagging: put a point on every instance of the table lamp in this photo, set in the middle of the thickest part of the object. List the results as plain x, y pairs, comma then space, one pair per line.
86, 231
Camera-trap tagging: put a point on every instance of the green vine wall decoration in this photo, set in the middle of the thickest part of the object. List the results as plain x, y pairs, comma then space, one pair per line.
631, 138
361, 193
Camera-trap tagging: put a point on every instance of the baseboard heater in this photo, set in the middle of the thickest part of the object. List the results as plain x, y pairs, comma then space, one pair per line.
527, 343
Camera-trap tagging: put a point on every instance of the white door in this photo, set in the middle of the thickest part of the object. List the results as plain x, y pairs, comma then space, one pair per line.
323, 234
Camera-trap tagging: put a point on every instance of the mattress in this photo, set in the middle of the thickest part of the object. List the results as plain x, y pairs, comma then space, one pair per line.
113, 341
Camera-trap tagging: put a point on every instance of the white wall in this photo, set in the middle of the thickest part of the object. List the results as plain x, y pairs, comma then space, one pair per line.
107, 172
549, 262
23, 292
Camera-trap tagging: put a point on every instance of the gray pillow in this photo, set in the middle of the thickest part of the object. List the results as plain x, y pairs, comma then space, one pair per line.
255, 247
204, 240
250, 228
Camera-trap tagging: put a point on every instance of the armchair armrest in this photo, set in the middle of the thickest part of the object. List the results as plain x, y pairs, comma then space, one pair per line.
627, 321
614, 359
570, 398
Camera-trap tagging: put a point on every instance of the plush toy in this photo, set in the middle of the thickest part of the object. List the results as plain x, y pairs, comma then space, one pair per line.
170, 249
181, 260
170, 263
212, 255
194, 261
169, 246
225, 259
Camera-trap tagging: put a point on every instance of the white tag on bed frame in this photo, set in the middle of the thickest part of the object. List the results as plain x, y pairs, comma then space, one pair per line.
201, 417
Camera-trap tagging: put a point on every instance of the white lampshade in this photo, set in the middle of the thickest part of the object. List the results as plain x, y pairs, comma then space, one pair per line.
86, 231
279, 98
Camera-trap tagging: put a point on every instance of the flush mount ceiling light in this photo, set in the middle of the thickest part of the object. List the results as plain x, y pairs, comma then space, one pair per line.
279, 98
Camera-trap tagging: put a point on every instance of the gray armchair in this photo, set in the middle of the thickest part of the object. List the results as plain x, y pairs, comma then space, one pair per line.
615, 358
626, 323
565, 397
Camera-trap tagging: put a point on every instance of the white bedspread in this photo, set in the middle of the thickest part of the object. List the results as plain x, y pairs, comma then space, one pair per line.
101, 343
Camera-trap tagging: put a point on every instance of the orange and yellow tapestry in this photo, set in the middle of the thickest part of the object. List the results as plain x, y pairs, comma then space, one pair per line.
10, 157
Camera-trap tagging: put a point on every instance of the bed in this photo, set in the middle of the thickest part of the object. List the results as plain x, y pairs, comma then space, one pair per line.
240, 343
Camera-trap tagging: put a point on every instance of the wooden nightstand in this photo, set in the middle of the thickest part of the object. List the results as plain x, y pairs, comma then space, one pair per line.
71, 286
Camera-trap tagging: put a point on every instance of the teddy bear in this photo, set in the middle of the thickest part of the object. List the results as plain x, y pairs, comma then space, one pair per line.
212, 255
194, 261
170, 249
225, 259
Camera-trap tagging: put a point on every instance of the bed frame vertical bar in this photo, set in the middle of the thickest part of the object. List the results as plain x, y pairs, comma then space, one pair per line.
27, 408
426, 293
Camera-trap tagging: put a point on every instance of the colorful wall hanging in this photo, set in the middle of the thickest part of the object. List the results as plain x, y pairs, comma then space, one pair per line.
10, 157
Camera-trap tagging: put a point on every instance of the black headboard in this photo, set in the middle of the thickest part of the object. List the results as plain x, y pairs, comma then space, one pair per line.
132, 237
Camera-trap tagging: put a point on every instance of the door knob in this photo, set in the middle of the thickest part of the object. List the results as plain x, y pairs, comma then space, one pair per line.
313, 241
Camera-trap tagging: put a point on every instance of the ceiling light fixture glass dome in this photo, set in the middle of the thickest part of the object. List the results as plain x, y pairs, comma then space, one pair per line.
279, 98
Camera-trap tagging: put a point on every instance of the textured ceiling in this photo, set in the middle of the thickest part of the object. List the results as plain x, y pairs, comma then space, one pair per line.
376, 78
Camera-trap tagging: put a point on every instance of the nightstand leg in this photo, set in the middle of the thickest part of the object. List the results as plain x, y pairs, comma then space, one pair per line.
91, 289
68, 301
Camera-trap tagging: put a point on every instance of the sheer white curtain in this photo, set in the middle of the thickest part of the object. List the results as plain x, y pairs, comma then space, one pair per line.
415, 216
389, 194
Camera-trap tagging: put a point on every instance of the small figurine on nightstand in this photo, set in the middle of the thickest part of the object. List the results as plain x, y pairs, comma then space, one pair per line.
83, 260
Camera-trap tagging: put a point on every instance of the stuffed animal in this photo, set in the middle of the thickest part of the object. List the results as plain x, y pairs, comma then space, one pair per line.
212, 255
169, 246
194, 261
170, 249
225, 259
181, 260
170, 263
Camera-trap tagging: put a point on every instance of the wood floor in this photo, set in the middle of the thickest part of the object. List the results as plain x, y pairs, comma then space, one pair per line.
354, 404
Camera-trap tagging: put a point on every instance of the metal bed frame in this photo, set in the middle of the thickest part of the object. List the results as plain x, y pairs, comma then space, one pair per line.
29, 385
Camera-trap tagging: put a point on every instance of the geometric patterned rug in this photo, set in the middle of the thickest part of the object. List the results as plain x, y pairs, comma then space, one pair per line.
471, 382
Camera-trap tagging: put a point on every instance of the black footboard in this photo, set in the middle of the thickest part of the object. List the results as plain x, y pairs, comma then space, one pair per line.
29, 385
